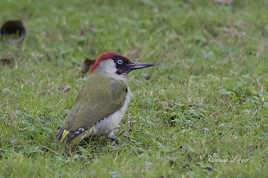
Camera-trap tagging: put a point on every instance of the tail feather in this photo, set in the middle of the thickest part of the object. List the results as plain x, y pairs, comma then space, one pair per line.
72, 137
61, 135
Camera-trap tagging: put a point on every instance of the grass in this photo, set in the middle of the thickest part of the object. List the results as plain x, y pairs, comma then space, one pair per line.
202, 113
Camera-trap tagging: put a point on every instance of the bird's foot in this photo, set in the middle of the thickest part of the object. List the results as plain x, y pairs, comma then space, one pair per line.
113, 137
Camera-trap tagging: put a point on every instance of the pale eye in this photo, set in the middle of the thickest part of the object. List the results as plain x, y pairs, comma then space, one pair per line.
119, 61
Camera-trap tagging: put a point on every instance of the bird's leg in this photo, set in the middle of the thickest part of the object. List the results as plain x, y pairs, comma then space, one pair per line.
113, 137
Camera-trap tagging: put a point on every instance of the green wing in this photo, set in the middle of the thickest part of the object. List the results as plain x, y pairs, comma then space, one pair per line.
100, 97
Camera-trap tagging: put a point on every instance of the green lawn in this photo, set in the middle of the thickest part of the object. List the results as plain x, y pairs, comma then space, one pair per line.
203, 111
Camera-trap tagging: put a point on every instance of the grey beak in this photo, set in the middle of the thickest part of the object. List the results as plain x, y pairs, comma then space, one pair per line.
139, 65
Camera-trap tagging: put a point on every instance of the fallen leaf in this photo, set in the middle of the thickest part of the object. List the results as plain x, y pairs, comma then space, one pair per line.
66, 88
85, 66
92, 28
82, 31
6, 61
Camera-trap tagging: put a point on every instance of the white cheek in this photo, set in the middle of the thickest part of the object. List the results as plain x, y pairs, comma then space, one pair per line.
108, 66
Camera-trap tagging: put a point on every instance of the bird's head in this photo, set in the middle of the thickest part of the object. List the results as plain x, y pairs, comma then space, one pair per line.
116, 64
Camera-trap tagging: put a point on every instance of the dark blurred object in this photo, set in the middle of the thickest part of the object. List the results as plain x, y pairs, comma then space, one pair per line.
85, 66
13, 30
6, 61
147, 77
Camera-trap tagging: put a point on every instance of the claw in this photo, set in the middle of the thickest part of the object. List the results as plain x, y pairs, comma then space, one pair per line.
113, 137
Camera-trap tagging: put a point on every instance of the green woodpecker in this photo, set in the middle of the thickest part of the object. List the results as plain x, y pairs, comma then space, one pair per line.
102, 101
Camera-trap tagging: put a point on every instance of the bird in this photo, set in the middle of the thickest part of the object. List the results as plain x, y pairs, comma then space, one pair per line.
102, 101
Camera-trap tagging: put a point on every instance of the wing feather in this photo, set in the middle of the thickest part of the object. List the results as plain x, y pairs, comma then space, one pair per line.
100, 97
